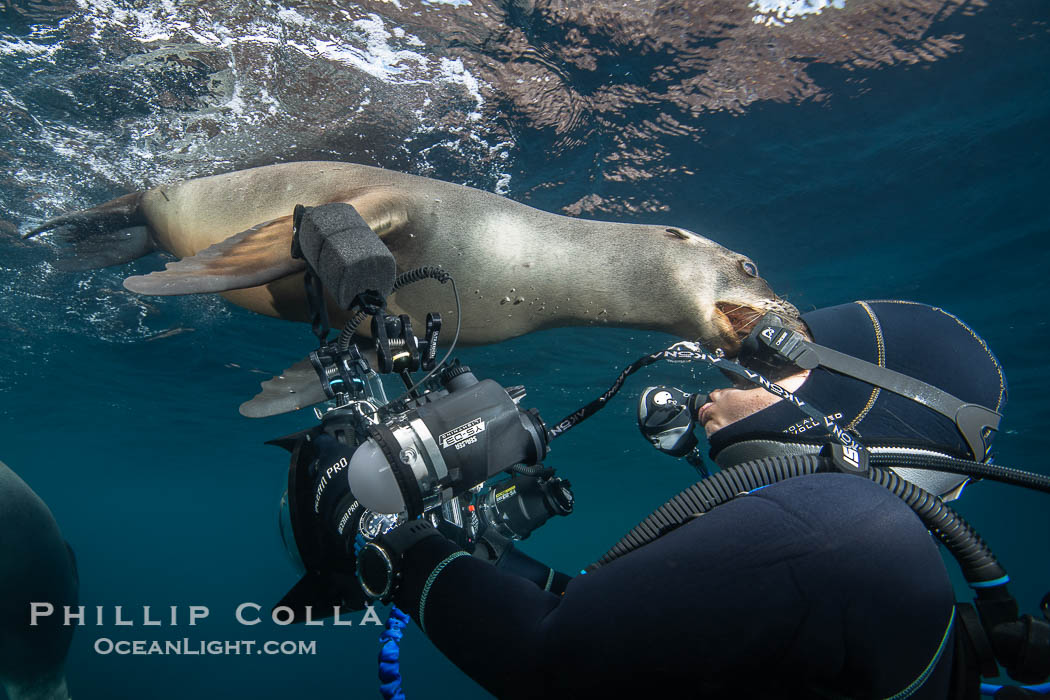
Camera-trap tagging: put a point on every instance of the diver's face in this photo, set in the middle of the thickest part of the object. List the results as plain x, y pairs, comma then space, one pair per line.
727, 406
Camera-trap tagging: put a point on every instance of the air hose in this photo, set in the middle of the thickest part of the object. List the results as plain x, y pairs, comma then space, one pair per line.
978, 564
965, 467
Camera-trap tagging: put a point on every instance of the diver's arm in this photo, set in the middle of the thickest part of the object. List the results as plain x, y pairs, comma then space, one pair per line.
501, 552
827, 580
663, 606
519, 563
481, 617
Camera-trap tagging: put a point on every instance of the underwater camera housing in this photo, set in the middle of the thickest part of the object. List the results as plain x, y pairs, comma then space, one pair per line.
323, 519
373, 463
415, 460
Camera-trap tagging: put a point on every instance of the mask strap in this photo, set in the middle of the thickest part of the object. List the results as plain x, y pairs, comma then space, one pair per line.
770, 338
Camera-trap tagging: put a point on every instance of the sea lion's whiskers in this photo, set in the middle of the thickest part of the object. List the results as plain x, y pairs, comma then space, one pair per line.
753, 320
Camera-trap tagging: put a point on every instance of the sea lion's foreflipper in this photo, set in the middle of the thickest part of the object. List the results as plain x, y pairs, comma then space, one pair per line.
295, 388
261, 254
250, 258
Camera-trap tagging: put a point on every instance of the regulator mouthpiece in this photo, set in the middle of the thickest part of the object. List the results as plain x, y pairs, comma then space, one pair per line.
667, 417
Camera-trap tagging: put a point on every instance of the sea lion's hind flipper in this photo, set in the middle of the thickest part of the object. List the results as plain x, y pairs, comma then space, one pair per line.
250, 258
118, 213
109, 234
80, 251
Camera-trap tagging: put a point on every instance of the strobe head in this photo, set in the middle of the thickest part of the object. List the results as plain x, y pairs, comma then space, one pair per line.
418, 459
344, 251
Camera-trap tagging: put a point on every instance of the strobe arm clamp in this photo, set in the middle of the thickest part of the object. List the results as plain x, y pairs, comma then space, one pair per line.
397, 348
428, 348
341, 372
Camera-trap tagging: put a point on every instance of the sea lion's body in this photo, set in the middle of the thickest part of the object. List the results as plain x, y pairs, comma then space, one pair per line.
36, 566
518, 269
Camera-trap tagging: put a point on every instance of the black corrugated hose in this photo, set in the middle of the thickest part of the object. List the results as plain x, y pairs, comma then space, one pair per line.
978, 563
977, 470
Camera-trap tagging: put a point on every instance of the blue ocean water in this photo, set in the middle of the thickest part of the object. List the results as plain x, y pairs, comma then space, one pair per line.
925, 182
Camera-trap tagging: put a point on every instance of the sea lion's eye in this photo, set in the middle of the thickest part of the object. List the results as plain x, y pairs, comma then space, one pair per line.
750, 268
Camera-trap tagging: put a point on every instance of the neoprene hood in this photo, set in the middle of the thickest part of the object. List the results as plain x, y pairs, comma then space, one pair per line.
917, 340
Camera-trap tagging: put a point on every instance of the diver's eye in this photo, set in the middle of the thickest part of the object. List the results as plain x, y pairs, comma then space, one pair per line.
749, 267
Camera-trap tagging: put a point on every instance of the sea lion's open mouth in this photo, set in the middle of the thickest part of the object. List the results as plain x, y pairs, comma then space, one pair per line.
736, 321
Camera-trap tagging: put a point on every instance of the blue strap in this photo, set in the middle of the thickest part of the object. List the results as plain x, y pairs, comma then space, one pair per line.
991, 689
390, 655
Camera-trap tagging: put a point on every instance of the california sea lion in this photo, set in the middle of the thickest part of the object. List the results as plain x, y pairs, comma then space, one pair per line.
36, 566
520, 269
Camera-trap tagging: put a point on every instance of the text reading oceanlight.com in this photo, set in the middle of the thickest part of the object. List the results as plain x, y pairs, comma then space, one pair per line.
192, 647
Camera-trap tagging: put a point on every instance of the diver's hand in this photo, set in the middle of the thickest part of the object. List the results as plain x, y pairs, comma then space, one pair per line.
492, 546
499, 550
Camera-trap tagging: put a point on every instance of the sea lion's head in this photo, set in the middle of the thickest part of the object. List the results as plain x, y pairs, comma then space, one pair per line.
727, 295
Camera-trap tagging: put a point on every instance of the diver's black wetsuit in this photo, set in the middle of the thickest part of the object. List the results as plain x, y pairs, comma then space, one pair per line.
824, 583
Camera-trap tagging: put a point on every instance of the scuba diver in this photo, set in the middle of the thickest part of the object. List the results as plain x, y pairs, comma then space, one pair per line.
827, 585
752, 582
